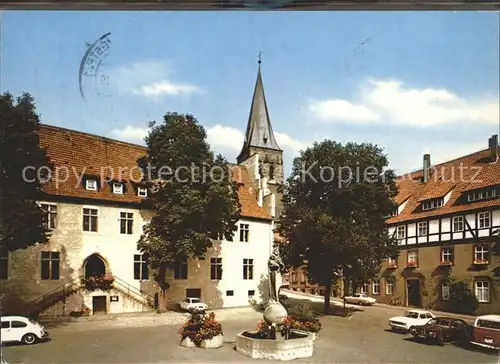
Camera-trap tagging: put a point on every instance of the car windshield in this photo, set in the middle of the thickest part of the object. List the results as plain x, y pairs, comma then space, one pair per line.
196, 300
33, 322
411, 314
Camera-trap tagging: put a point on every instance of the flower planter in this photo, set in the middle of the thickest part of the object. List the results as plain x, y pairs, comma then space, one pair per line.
188, 343
213, 343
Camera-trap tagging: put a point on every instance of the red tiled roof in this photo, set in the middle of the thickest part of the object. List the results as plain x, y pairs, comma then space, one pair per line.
75, 153
458, 175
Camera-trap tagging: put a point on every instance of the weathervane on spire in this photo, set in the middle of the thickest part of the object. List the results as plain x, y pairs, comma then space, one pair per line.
260, 54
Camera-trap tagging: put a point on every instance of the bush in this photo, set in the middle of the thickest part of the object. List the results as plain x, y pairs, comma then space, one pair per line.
462, 298
200, 326
303, 311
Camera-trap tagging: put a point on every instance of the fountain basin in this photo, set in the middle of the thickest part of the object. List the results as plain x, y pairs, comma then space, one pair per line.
300, 345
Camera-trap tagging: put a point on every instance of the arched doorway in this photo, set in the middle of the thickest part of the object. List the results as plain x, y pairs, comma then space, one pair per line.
94, 266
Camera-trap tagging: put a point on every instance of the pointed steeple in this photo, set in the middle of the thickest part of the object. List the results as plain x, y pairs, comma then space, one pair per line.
259, 131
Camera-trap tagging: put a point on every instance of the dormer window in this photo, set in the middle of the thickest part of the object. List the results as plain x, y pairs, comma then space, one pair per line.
432, 204
91, 185
118, 188
484, 194
142, 192
394, 212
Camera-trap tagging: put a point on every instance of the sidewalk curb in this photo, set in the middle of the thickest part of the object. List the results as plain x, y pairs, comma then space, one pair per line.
383, 305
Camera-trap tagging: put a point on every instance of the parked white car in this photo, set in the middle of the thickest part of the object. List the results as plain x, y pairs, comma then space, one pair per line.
360, 299
410, 318
21, 329
193, 303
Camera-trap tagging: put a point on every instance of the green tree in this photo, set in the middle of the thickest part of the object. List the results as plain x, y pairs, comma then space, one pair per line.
335, 203
21, 157
195, 198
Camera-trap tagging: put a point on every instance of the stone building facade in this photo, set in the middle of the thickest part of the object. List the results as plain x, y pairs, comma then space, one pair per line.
96, 207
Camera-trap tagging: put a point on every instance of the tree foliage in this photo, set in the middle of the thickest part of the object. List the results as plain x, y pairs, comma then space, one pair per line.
21, 218
335, 204
195, 199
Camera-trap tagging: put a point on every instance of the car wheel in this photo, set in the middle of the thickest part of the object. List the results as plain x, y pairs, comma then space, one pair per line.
29, 339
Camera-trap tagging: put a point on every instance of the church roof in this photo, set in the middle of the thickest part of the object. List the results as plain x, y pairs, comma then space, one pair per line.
259, 131
76, 154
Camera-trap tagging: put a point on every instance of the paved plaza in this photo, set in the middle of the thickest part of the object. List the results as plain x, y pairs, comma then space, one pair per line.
363, 338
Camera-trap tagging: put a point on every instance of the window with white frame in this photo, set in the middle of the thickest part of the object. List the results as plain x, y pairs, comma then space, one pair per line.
445, 291
432, 204
364, 288
401, 232
422, 228
247, 268
91, 185
215, 268
118, 188
484, 219
126, 222
446, 255
142, 192
181, 269
484, 194
458, 223
141, 269
412, 257
480, 254
482, 288
376, 287
90, 220
389, 286
50, 218
392, 262
244, 231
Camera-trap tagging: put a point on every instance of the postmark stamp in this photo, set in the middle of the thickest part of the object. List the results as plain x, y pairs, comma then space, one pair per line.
90, 65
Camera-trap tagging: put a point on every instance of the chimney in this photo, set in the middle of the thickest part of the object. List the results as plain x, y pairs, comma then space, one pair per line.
427, 167
493, 146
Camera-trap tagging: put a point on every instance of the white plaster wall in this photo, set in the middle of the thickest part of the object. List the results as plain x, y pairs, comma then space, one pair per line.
257, 248
433, 226
117, 249
445, 225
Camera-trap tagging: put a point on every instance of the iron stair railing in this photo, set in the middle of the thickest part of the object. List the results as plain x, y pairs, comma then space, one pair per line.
129, 289
53, 296
68, 288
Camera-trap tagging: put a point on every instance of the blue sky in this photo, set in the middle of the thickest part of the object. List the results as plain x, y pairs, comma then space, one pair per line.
411, 82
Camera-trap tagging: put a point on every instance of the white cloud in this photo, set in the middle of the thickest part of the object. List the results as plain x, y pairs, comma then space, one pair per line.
390, 101
130, 134
166, 88
225, 140
150, 79
342, 110
222, 139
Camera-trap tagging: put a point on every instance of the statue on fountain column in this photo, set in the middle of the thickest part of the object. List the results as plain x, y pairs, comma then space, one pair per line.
275, 312
276, 268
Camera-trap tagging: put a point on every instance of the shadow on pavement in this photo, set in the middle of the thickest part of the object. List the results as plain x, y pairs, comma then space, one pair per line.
335, 308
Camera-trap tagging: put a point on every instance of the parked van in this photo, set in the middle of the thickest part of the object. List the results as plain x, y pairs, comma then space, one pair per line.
486, 332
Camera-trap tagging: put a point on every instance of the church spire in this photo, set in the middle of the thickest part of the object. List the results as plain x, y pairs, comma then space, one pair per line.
259, 131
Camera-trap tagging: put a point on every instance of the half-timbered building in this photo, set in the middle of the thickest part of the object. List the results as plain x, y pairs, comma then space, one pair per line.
446, 224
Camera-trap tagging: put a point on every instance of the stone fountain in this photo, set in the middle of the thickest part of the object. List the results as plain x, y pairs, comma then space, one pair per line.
276, 346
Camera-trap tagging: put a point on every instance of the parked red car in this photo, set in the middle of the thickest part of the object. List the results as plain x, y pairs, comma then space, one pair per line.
443, 329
